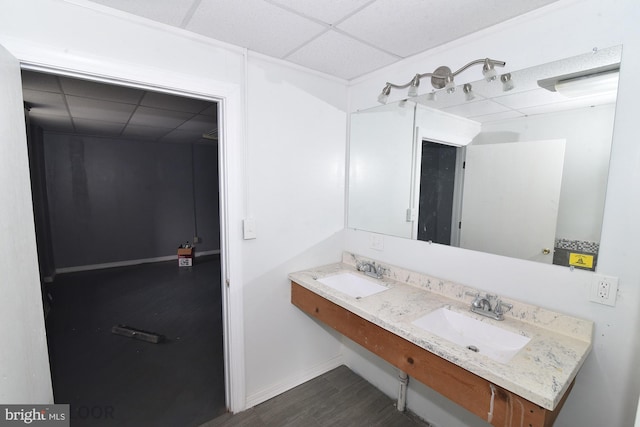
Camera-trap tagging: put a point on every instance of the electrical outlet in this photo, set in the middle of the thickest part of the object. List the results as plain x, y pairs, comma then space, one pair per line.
197, 239
604, 289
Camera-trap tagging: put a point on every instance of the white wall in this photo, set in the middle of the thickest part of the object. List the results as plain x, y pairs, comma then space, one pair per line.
606, 390
24, 366
296, 178
291, 179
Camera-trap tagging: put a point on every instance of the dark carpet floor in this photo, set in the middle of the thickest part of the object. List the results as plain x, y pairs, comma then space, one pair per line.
111, 380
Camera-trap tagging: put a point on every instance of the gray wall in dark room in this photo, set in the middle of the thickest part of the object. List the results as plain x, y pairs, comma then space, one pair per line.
116, 200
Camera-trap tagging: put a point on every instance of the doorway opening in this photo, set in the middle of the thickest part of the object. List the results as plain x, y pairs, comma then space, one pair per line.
120, 178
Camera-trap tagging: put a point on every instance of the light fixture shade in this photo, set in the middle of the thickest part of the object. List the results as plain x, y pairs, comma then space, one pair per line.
598, 84
413, 89
488, 71
489, 74
384, 95
468, 92
507, 82
451, 85
431, 96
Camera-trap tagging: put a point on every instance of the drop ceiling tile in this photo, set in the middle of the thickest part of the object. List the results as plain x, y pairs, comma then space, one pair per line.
172, 102
89, 89
419, 25
329, 11
199, 123
211, 111
341, 56
182, 136
146, 116
529, 98
570, 104
40, 81
95, 109
497, 116
54, 123
170, 12
476, 108
97, 127
144, 132
254, 24
49, 102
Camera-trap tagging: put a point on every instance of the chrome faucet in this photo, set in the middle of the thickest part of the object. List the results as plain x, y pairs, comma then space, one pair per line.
371, 269
482, 305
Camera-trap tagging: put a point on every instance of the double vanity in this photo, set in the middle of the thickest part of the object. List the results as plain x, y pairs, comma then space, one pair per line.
514, 371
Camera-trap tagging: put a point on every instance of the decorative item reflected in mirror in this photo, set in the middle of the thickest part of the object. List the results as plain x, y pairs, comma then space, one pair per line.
516, 166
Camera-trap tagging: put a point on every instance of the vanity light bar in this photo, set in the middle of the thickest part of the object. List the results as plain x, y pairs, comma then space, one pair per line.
443, 77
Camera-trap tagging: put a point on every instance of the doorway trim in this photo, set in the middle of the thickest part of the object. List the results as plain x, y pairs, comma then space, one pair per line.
229, 99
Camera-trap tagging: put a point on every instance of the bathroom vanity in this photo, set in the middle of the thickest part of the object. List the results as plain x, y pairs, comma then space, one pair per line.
517, 371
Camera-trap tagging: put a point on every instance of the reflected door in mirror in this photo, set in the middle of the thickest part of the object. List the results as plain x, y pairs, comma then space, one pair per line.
510, 198
437, 186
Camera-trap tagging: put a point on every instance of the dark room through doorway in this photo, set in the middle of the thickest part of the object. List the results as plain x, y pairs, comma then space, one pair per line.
121, 177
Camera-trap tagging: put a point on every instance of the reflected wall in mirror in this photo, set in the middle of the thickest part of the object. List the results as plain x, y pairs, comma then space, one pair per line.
517, 171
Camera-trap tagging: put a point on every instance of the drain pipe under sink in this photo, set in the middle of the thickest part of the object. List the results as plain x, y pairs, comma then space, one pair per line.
402, 392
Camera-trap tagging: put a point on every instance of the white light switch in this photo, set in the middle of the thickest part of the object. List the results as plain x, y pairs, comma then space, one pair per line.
249, 228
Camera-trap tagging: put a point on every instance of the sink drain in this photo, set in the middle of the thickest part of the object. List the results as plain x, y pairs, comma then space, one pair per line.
473, 348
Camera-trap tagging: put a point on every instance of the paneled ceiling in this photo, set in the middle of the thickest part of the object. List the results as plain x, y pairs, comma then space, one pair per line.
67, 105
344, 38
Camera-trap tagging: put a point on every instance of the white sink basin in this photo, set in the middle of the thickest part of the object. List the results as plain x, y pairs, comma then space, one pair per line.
353, 285
481, 337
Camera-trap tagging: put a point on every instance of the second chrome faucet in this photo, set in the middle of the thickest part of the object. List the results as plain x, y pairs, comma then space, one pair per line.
482, 305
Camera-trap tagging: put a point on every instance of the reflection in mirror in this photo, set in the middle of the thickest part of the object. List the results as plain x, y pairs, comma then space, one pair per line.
515, 167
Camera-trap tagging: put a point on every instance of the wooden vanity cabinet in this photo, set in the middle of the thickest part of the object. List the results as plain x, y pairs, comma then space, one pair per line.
457, 384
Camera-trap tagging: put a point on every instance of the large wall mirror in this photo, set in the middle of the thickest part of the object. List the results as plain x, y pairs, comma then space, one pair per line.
513, 168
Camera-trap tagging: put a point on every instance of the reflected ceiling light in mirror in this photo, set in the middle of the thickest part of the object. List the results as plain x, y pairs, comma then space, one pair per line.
507, 82
595, 81
431, 96
599, 84
468, 92
442, 77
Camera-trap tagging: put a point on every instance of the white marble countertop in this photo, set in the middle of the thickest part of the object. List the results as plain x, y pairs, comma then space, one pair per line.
541, 372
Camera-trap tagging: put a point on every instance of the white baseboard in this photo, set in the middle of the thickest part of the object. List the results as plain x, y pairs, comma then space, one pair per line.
286, 385
127, 263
